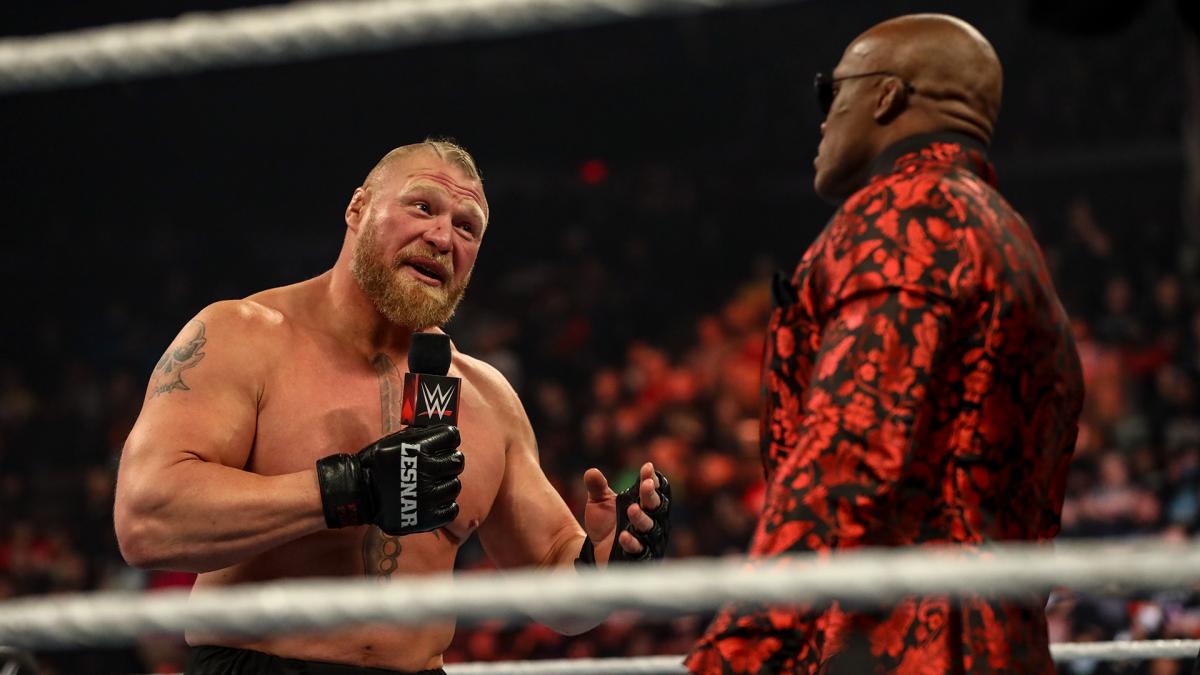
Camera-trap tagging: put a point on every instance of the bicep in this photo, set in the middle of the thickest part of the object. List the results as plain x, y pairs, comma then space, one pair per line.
529, 522
201, 401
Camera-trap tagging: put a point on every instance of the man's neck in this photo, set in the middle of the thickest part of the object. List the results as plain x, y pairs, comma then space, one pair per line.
353, 318
924, 122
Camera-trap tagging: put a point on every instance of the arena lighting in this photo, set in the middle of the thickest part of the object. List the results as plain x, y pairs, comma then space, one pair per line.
593, 172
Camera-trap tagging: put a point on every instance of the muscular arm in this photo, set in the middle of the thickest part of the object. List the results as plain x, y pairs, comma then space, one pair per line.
183, 500
530, 524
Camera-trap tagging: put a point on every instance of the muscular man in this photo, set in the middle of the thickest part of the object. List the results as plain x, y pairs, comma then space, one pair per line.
921, 384
220, 473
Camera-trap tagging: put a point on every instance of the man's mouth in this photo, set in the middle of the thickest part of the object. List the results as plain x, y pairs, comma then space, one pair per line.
427, 270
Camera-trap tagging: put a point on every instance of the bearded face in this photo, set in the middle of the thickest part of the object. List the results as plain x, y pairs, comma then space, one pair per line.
399, 296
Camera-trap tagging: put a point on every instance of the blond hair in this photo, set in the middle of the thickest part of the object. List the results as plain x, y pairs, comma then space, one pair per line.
445, 148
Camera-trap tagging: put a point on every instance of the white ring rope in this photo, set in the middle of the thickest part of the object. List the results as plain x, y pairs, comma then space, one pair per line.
298, 31
863, 576
1125, 650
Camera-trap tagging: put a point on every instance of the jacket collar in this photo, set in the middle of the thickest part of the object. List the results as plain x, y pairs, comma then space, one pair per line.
946, 148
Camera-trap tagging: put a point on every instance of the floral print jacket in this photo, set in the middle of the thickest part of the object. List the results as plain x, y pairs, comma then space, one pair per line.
921, 385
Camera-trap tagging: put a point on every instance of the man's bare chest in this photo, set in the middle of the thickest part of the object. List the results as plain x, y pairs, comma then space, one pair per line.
326, 407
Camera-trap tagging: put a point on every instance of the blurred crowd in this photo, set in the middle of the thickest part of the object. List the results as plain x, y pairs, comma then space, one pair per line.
634, 333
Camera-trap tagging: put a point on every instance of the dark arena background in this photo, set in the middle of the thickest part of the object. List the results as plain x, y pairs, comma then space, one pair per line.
645, 178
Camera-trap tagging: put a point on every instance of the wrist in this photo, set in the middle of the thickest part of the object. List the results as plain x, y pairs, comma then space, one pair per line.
345, 495
587, 553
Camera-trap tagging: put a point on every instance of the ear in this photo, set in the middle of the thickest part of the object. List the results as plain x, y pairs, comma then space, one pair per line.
354, 210
893, 99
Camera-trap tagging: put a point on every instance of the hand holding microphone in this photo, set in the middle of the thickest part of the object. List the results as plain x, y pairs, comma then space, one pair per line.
405, 482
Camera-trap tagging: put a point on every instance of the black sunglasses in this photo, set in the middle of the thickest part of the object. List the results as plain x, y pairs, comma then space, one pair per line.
826, 87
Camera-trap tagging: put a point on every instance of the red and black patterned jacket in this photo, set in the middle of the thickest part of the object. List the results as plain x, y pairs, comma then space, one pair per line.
921, 385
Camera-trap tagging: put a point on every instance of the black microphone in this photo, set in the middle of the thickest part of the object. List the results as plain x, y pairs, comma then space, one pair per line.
430, 396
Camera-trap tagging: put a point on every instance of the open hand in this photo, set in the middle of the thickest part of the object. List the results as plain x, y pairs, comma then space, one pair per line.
600, 514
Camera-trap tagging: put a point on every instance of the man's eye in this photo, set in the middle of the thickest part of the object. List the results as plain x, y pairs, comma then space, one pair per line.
466, 227
424, 206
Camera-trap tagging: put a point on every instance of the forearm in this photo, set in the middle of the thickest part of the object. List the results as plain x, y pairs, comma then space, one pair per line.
563, 562
560, 559
201, 516
565, 550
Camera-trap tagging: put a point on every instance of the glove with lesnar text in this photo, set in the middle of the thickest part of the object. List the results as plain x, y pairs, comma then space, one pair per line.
405, 482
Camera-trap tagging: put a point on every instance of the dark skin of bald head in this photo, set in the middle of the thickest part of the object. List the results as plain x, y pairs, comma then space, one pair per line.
956, 83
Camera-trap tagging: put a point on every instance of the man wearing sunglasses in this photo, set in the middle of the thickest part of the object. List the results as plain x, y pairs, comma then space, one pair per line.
921, 386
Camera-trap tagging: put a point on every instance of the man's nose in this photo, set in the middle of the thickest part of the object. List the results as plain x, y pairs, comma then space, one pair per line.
438, 234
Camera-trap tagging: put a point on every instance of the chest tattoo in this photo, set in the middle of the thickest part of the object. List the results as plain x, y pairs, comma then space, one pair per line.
381, 552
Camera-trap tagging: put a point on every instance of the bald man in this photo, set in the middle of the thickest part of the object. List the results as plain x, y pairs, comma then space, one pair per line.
270, 444
920, 382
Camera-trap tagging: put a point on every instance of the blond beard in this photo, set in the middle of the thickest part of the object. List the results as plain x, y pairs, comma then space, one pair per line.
396, 295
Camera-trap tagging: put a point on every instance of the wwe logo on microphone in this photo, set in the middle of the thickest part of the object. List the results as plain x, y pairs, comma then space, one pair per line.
430, 399
437, 402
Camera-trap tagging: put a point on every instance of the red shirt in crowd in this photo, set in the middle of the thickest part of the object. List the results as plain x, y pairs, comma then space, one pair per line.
921, 385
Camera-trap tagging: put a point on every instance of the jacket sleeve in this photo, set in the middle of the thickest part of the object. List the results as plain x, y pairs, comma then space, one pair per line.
888, 288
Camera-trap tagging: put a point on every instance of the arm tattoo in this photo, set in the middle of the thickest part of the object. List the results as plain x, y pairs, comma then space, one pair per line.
183, 354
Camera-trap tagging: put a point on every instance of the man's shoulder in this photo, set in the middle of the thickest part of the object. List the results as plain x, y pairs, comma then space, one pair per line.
267, 311
247, 316
483, 376
491, 384
953, 196
906, 230
263, 323
498, 394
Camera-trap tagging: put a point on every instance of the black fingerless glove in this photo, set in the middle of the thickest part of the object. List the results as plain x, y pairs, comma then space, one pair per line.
405, 482
654, 542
